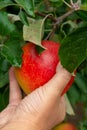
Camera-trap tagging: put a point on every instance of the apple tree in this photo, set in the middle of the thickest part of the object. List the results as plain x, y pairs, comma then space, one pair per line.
63, 21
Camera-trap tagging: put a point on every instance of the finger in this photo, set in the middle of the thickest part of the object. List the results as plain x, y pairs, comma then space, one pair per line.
15, 92
6, 115
59, 80
61, 113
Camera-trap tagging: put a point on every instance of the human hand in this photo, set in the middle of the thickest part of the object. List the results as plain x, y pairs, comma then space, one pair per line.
40, 110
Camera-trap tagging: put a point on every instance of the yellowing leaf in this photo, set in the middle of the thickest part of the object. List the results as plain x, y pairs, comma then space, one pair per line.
69, 109
35, 31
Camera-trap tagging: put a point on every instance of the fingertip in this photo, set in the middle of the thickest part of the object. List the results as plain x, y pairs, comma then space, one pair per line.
61, 70
11, 69
11, 72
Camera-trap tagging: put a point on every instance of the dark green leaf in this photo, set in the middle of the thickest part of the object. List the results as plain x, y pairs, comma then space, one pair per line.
83, 98
81, 82
82, 14
23, 18
1, 102
73, 50
41, 7
27, 5
4, 97
6, 27
56, 3
12, 50
55, 0
73, 94
3, 79
83, 125
39, 49
5, 3
4, 65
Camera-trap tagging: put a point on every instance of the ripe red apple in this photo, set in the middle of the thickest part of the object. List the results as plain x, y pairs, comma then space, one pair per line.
37, 68
65, 126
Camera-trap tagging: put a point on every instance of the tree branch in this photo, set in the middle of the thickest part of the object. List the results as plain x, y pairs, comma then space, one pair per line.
49, 17
51, 33
57, 23
61, 18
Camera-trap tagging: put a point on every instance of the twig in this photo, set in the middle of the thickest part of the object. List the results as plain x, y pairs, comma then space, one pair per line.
57, 23
49, 17
67, 3
61, 18
51, 33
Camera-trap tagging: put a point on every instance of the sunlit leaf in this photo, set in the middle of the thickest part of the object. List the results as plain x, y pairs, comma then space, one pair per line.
12, 50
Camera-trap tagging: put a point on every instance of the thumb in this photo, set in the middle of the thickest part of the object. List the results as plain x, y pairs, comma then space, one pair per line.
58, 81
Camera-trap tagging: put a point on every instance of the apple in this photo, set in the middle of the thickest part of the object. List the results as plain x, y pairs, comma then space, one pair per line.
65, 126
38, 68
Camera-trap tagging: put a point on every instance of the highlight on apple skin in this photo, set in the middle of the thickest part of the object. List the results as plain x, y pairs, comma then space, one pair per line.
65, 126
37, 69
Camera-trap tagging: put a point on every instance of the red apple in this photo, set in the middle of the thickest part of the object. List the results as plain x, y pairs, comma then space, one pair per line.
37, 68
65, 126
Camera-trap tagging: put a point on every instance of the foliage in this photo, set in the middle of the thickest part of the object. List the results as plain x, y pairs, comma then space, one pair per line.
35, 20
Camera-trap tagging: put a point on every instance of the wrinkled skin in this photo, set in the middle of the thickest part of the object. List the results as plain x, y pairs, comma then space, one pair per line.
40, 110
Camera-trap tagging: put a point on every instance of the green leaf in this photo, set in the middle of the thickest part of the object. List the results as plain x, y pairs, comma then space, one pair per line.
68, 27
73, 94
82, 14
6, 27
83, 7
41, 7
55, 1
73, 50
3, 79
81, 82
5, 3
12, 50
34, 32
83, 98
4, 65
23, 18
27, 5
13, 18
4, 97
